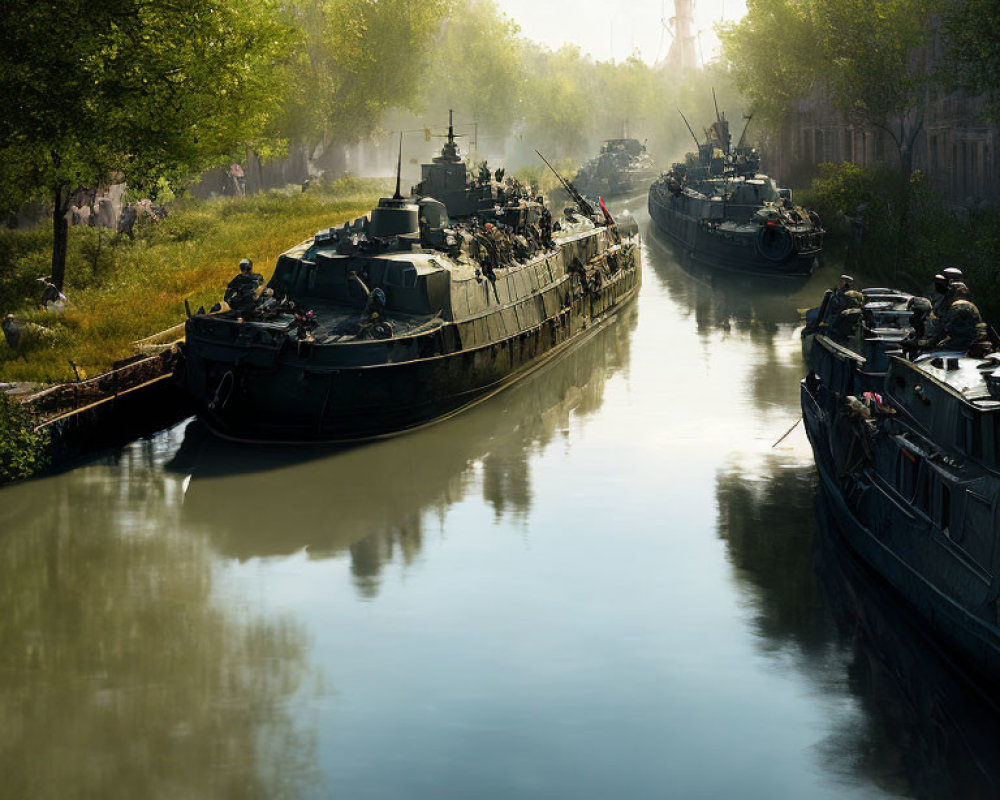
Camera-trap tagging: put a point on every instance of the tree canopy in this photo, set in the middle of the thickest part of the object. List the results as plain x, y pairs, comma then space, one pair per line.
135, 90
872, 57
973, 30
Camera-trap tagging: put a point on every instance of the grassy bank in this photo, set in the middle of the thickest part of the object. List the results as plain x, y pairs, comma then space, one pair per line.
120, 291
902, 232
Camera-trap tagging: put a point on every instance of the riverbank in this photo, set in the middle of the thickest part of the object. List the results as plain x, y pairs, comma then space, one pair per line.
901, 231
121, 291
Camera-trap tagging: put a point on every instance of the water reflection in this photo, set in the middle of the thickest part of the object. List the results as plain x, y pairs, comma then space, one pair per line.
726, 306
375, 501
917, 729
929, 729
121, 673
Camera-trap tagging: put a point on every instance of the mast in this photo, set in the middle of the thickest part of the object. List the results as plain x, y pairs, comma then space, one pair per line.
680, 26
399, 168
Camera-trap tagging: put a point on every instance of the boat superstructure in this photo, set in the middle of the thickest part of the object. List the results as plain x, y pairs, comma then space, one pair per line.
410, 314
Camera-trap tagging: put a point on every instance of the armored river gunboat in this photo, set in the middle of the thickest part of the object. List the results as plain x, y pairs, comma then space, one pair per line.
907, 444
410, 314
726, 214
623, 166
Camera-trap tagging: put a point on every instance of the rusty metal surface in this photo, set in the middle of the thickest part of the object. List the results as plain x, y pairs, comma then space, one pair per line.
65, 398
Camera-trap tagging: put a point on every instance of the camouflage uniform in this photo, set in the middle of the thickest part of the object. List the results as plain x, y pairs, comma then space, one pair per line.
956, 291
964, 329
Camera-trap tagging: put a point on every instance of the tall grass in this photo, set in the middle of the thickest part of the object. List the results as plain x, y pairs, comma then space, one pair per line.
120, 290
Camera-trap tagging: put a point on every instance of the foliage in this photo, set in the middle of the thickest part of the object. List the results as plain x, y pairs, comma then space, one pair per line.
136, 90
22, 450
773, 52
141, 288
973, 31
359, 58
477, 66
870, 56
860, 209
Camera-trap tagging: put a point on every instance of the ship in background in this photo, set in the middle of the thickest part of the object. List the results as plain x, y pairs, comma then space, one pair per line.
723, 213
622, 168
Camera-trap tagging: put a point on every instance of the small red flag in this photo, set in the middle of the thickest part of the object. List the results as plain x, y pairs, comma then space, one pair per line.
604, 209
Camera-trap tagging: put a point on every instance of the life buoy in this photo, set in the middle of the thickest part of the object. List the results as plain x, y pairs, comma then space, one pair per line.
774, 242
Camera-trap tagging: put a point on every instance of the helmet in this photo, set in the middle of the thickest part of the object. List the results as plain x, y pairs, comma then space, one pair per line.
940, 283
246, 265
846, 281
857, 299
960, 290
952, 274
919, 304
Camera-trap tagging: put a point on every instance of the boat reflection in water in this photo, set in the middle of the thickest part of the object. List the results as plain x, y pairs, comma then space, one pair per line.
919, 728
372, 501
761, 311
121, 673
949, 730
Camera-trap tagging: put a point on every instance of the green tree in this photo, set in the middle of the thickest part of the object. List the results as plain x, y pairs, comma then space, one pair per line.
973, 32
876, 59
773, 53
870, 56
359, 58
477, 67
133, 90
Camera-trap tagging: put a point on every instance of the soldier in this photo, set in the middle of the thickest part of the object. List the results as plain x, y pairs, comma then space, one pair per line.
241, 294
950, 287
942, 284
52, 299
962, 327
545, 225
838, 300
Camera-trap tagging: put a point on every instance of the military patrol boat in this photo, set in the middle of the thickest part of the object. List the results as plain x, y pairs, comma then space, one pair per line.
623, 166
409, 314
906, 436
726, 214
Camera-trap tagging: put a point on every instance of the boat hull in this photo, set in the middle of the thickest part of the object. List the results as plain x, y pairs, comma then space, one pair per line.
905, 553
295, 396
733, 251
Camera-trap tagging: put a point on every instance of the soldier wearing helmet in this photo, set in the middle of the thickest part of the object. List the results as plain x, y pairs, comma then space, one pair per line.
241, 293
962, 325
950, 287
839, 299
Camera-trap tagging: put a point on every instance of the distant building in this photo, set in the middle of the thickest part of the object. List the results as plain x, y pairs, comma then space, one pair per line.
956, 148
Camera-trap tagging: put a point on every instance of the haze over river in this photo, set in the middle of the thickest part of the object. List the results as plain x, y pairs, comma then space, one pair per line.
602, 583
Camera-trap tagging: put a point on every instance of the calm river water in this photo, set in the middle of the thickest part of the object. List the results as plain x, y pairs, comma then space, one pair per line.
603, 583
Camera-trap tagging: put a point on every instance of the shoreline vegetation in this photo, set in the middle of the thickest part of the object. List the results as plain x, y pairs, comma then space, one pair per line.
120, 291
860, 208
